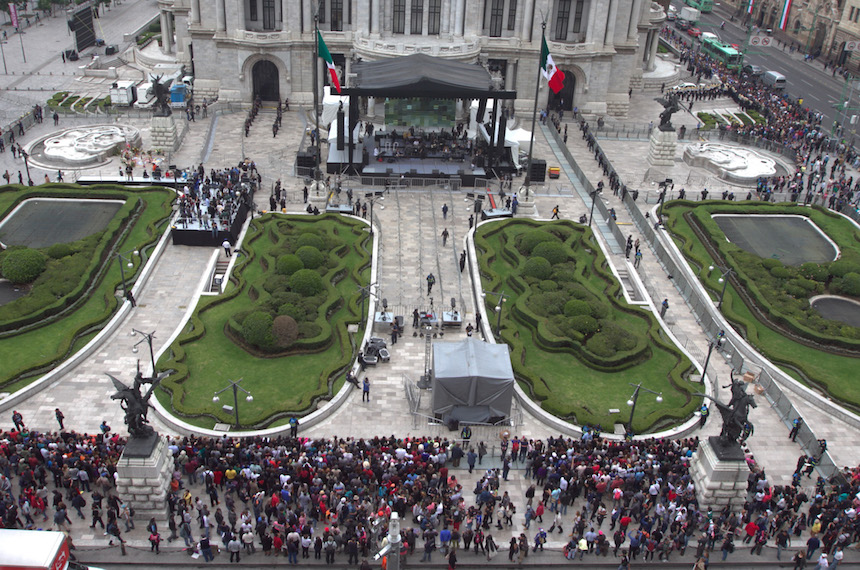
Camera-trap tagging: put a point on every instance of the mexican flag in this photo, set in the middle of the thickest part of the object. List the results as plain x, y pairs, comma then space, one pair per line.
322, 50
554, 76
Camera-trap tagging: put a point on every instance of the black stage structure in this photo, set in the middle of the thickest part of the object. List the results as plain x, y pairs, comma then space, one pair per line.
421, 76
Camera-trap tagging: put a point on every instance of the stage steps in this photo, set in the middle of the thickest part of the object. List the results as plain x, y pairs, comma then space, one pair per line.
218, 276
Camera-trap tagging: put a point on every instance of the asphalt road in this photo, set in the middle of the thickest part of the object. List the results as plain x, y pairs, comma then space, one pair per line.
819, 89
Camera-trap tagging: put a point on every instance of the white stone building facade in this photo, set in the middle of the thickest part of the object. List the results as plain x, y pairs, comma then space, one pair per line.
239, 48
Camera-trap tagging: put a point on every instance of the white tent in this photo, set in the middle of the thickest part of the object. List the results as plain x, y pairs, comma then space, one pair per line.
473, 380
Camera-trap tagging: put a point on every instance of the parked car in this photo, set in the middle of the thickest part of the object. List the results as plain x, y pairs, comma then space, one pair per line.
682, 24
671, 15
694, 32
753, 70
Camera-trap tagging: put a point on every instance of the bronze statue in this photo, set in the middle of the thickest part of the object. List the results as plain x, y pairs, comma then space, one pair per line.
670, 107
135, 404
735, 414
161, 91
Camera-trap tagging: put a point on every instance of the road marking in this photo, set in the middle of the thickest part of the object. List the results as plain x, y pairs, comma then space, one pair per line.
811, 86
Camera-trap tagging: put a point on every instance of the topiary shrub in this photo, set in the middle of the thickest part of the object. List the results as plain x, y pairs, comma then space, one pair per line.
537, 267
59, 250
598, 309
288, 264
601, 345
23, 265
257, 330
769, 263
585, 324
306, 282
814, 271
850, 284
548, 285
552, 251
547, 304
285, 331
276, 283
842, 267
575, 307
530, 239
310, 256
291, 310
312, 240
780, 272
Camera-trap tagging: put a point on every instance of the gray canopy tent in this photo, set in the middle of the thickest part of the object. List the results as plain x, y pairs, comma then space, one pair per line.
473, 381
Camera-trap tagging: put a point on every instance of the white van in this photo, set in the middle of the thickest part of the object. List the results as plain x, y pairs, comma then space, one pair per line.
774, 79
36, 550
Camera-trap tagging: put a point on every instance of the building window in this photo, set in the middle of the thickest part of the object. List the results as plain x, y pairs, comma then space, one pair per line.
561, 19
512, 15
321, 12
268, 14
434, 17
252, 10
336, 15
398, 24
417, 20
577, 16
497, 12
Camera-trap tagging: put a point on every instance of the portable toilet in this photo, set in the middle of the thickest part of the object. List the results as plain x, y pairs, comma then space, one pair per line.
178, 94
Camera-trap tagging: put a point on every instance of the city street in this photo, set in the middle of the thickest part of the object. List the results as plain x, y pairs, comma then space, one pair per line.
820, 90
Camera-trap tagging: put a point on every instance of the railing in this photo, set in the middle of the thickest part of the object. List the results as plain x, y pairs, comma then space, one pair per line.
739, 357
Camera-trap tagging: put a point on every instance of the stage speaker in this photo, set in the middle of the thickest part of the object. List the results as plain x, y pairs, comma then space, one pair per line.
500, 142
340, 129
537, 172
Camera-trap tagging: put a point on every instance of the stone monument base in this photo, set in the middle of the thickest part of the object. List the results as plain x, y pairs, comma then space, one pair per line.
144, 476
661, 151
720, 475
526, 207
164, 133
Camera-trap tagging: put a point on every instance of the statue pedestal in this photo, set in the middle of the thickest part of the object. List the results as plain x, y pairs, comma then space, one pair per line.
526, 203
144, 476
720, 474
164, 133
661, 151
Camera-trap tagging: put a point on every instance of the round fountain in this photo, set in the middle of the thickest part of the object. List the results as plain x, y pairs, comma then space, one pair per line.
735, 164
82, 147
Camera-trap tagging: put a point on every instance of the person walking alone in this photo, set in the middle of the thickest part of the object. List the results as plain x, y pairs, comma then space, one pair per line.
60, 417
445, 235
365, 390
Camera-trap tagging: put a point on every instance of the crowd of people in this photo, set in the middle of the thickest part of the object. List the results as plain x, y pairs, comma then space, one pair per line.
294, 496
213, 201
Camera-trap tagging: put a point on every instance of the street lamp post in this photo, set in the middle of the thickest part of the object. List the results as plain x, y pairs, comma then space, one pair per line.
373, 197
26, 156
122, 258
634, 398
498, 308
147, 338
724, 279
235, 386
594, 194
365, 293
711, 345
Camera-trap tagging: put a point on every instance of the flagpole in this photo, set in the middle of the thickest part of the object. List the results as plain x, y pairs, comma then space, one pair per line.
534, 117
316, 96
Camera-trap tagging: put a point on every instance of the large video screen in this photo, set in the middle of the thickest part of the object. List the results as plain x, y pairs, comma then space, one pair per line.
420, 112
81, 24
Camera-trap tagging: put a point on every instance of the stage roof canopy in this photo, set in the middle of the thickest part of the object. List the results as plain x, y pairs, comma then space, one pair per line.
421, 75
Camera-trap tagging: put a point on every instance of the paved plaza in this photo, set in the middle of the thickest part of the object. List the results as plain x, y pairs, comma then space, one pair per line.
409, 224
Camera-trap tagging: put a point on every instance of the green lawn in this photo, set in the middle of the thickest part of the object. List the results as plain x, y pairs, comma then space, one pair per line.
26, 356
571, 374
208, 353
830, 372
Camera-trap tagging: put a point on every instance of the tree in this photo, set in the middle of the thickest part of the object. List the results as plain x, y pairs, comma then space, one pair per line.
23, 265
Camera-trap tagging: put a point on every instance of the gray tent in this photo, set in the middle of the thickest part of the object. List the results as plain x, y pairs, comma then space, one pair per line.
473, 381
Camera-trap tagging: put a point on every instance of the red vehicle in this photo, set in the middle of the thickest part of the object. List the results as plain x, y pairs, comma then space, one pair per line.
695, 32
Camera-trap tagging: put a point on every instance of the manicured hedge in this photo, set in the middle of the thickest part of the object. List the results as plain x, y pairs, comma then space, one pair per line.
571, 332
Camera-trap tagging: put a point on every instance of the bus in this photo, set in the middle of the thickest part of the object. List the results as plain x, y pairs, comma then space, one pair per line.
724, 53
703, 6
